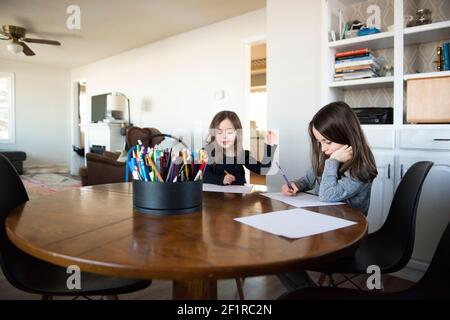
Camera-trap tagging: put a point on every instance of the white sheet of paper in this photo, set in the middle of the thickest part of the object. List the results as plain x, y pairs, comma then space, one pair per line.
295, 223
300, 200
229, 189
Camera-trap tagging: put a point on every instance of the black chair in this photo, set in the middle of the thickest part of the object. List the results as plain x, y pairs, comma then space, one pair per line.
392, 245
435, 283
32, 275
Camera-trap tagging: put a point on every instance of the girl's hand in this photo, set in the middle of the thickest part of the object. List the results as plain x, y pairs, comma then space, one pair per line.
289, 192
228, 179
271, 138
343, 154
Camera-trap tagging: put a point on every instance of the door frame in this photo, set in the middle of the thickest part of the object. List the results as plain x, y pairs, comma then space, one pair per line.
246, 52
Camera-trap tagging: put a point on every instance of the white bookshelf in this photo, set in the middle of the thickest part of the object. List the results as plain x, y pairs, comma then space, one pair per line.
368, 83
425, 75
375, 41
427, 33
395, 40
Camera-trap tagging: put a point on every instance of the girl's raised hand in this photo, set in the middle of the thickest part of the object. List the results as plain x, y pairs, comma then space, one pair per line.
289, 192
343, 154
271, 138
228, 179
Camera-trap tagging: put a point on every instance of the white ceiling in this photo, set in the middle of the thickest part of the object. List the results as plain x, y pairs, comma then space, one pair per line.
110, 27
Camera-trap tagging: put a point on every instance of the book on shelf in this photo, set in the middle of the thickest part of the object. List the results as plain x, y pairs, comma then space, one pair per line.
439, 59
355, 75
354, 58
445, 57
357, 62
354, 68
357, 52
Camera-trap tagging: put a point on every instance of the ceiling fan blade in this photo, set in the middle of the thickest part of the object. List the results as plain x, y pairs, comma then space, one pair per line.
42, 41
26, 49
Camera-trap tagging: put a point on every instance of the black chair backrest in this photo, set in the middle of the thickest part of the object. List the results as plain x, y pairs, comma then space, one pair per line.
436, 280
12, 194
400, 225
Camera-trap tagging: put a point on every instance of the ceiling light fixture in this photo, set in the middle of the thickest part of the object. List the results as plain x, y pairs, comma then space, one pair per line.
14, 47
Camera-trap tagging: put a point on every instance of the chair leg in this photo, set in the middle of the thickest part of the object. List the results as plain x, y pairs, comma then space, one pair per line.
322, 279
332, 283
46, 297
240, 289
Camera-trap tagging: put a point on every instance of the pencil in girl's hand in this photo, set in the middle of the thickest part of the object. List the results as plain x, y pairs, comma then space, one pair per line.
284, 177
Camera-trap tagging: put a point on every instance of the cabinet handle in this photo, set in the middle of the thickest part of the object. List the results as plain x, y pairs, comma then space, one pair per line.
439, 139
389, 171
401, 171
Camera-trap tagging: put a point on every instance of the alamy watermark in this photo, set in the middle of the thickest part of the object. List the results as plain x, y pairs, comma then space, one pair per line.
73, 22
74, 280
374, 280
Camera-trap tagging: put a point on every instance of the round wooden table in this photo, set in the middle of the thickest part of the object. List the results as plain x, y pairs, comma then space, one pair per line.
96, 229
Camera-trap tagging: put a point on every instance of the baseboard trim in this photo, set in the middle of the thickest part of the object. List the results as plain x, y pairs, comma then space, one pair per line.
414, 270
46, 169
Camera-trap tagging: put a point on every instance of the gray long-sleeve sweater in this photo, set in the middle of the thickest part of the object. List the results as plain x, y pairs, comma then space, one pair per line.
331, 188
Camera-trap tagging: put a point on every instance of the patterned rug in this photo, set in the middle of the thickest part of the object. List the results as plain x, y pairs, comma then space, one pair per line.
38, 185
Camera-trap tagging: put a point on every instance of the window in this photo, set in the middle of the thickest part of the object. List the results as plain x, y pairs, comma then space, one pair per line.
6, 107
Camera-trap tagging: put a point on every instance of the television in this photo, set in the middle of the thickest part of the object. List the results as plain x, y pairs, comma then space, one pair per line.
98, 107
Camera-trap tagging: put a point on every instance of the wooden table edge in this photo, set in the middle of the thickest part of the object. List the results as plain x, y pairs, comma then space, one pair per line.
210, 272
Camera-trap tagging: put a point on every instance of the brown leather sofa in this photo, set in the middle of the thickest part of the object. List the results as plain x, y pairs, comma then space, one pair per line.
102, 169
105, 168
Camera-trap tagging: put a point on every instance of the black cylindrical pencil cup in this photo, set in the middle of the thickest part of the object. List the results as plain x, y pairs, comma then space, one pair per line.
167, 198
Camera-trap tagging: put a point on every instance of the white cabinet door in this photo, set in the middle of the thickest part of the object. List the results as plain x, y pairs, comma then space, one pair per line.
433, 213
382, 190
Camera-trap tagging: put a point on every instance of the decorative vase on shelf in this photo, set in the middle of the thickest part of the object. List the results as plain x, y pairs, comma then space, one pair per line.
423, 16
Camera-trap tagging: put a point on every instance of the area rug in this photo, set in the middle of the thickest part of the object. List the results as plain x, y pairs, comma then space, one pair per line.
38, 185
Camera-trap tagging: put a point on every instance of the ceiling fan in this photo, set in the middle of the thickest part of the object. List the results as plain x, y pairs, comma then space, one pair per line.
17, 36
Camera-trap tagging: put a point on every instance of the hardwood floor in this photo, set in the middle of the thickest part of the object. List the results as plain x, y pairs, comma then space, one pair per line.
255, 288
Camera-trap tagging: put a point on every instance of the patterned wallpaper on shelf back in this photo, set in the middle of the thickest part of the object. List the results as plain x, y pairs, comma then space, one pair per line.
379, 97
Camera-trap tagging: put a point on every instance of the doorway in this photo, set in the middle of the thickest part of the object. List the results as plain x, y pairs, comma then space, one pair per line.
79, 117
82, 111
257, 105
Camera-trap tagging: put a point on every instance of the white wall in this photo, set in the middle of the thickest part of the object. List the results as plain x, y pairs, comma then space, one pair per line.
293, 79
171, 83
42, 97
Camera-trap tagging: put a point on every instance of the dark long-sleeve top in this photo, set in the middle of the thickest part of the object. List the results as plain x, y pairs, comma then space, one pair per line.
215, 172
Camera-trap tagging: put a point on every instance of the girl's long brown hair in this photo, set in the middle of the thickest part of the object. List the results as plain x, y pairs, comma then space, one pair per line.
338, 123
213, 148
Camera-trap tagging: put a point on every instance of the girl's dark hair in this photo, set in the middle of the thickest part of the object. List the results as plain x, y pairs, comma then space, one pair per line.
215, 122
338, 123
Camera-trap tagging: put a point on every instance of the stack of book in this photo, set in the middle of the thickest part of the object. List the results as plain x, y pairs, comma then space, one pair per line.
356, 64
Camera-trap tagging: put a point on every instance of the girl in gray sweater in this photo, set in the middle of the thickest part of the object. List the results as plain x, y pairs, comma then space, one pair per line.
343, 167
